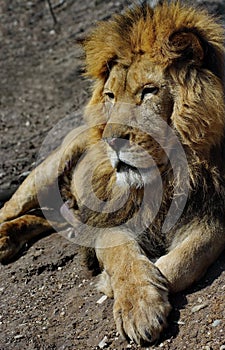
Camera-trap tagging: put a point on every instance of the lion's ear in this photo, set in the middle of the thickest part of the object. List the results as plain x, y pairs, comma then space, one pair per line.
185, 47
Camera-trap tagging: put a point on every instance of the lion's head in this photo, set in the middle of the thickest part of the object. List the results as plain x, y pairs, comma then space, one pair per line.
156, 70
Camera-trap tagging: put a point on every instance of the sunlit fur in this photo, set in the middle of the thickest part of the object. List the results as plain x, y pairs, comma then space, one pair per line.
184, 50
183, 41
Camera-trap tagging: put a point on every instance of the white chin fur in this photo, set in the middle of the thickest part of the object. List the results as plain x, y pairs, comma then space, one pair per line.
129, 178
114, 161
133, 179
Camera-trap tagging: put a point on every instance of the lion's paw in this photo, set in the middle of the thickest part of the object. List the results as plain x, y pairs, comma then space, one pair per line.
140, 311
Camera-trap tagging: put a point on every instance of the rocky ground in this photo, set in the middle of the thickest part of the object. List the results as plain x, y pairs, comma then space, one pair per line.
47, 297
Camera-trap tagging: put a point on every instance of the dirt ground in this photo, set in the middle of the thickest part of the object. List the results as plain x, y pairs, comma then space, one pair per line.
47, 297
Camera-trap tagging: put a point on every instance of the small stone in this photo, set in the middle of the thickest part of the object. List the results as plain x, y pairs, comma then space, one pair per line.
56, 311
198, 307
24, 175
103, 343
37, 253
19, 336
101, 300
181, 323
222, 347
216, 323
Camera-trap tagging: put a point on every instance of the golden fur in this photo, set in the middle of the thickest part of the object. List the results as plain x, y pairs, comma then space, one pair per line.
155, 130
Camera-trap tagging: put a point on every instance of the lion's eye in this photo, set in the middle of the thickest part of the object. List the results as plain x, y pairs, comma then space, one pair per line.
109, 100
109, 95
148, 91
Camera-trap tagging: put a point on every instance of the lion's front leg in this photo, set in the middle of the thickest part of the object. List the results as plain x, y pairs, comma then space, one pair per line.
18, 225
26, 197
193, 250
40, 180
140, 290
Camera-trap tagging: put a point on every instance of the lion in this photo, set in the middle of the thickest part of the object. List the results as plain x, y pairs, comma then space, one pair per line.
144, 178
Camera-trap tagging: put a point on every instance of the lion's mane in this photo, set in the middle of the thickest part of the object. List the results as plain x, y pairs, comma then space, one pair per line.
188, 45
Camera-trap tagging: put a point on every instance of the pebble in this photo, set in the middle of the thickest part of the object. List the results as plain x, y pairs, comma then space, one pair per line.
37, 253
19, 336
24, 175
103, 343
101, 300
181, 323
216, 323
196, 308
222, 347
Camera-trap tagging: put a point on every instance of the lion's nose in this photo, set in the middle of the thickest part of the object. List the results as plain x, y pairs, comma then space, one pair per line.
117, 143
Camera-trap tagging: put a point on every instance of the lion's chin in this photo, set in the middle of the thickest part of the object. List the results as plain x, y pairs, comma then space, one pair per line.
129, 176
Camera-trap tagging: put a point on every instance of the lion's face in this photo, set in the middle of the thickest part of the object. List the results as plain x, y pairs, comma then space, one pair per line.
153, 75
138, 102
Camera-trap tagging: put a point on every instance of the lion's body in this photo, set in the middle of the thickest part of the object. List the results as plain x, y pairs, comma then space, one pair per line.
145, 178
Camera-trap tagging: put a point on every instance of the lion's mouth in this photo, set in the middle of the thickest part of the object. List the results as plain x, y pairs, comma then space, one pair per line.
125, 167
128, 173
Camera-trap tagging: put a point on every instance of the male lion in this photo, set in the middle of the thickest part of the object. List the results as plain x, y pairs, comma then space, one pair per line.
149, 190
